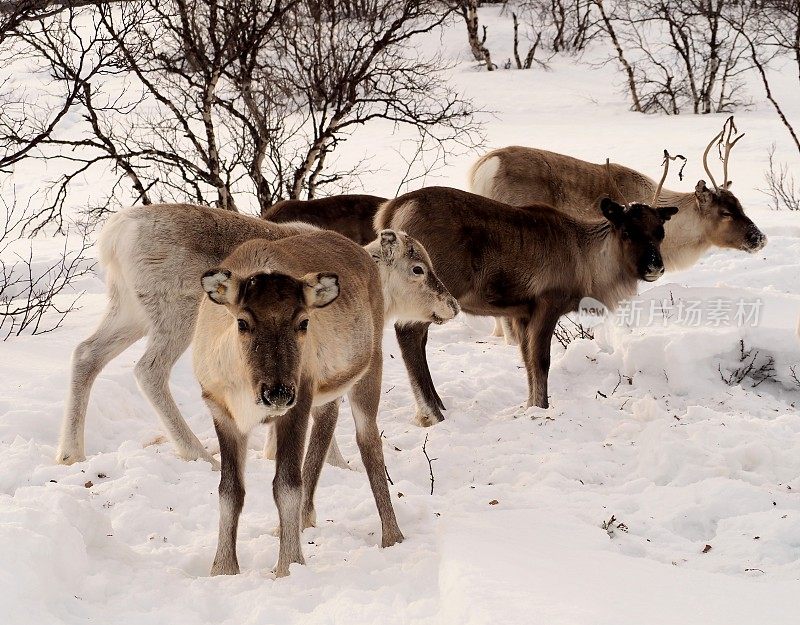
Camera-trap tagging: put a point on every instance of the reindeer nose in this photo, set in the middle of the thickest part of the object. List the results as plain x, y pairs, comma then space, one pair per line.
756, 239
279, 396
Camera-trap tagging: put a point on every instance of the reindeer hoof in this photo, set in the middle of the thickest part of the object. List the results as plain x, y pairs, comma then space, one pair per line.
69, 457
192, 453
224, 568
391, 538
309, 519
427, 419
282, 568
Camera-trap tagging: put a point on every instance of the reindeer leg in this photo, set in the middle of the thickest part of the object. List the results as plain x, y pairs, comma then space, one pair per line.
364, 399
412, 339
325, 418
120, 328
287, 485
171, 334
511, 336
498, 327
233, 449
535, 344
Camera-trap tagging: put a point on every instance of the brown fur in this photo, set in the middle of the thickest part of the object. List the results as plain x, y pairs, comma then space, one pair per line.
532, 264
350, 215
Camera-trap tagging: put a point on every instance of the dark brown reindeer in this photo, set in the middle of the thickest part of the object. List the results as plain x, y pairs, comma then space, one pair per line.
706, 218
275, 338
350, 215
531, 265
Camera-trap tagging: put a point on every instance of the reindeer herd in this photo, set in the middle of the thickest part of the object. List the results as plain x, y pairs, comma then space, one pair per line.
286, 313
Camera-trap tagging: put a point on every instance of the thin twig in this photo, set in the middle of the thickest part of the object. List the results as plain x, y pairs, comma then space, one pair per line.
430, 461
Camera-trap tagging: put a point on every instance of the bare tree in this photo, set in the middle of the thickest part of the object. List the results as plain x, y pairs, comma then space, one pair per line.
211, 100
678, 56
771, 30
782, 189
564, 25
608, 28
346, 72
477, 42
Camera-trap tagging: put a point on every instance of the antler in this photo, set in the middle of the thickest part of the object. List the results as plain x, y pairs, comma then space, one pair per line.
730, 128
665, 163
717, 138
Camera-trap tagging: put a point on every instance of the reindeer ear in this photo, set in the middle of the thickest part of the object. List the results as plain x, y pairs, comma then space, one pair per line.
701, 187
612, 211
728, 184
665, 212
320, 289
221, 286
386, 247
703, 194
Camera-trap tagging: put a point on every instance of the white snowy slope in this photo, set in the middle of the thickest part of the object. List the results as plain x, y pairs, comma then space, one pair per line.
702, 477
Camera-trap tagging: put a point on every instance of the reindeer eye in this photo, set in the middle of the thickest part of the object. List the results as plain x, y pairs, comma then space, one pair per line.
418, 270
303, 325
243, 327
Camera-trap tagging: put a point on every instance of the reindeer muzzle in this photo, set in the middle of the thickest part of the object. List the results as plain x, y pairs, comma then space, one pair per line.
755, 240
279, 396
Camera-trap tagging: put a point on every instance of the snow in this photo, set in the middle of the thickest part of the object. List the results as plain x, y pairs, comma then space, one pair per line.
514, 529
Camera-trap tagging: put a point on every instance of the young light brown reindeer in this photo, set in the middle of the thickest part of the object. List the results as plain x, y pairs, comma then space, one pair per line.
532, 265
277, 338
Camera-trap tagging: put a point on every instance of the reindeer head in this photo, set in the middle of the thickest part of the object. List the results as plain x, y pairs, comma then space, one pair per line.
725, 222
411, 289
272, 313
640, 230
723, 215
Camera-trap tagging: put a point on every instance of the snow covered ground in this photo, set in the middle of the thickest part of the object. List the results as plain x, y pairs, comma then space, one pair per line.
701, 477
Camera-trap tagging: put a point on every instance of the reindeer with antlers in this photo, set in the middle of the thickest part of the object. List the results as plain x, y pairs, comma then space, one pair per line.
707, 217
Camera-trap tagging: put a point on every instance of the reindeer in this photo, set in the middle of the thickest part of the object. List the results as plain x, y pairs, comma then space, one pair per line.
350, 215
277, 339
706, 217
154, 257
532, 265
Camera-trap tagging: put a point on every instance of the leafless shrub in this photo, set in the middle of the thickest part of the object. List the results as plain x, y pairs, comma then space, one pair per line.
782, 189
430, 462
36, 297
758, 368
568, 330
614, 525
